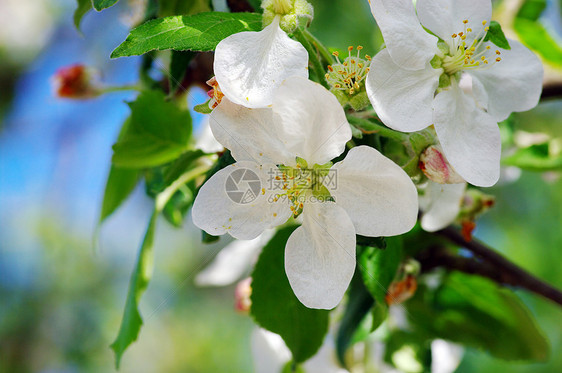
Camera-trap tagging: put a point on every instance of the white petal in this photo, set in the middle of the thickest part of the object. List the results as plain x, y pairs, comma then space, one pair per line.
312, 122
325, 360
378, 195
514, 83
410, 46
320, 255
470, 137
445, 17
269, 351
445, 356
442, 205
205, 140
402, 98
233, 261
249, 66
232, 202
250, 134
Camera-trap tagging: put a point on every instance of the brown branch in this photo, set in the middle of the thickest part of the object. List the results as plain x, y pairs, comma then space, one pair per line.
493, 266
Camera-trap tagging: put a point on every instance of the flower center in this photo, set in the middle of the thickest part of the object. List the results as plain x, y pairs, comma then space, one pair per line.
282, 6
299, 183
215, 93
349, 75
475, 56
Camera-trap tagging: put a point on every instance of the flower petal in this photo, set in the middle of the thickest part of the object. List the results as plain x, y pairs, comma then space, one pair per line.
312, 123
233, 261
441, 204
514, 83
378, 195
445, 17
320, 255
206, 141
232, 202
250, 134
402, 98
410, 46
269, 351
249, 66
470, 137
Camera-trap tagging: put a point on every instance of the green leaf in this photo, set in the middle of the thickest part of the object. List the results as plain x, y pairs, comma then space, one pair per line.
477, 312
102, 4
181, 165
159, 132
379, 267
409, 352
532, 9
120, 183
199, 32
132, 321
182, 7
358, 305
495, 35
535, 158
276, 308
84, 7
178, 68
536, 36
203, 108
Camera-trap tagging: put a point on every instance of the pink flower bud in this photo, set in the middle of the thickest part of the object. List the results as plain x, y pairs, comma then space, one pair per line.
74, 82
242, 295
436, 167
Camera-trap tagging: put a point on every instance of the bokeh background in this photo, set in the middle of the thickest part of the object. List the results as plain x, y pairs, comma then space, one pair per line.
62, 294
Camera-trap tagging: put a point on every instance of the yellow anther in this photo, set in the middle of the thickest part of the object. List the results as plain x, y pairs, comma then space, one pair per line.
359, 47
469, 30
327, 76
486, 62
274, 214
461, 33
498, 59
498, 52
483, 58
463, 37
352, 61
477, 63
262, 191
454, 36
330, 68
465, 21
360, 65
488, 47
350, 48
336, 54
337, 85
484, 23
301, 205
351, 91
486, 29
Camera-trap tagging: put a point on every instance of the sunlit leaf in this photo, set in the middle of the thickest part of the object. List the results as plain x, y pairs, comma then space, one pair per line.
159, 132
84, 7
102, 4
536, 37
535, 158
199, 32
495, 35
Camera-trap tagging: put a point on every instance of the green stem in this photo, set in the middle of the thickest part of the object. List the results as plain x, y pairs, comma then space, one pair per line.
164, 197
367, 126
324, 52
313, 56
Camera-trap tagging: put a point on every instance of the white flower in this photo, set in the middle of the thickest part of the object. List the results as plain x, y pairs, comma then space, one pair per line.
249, 66
205, 139
441, 204
404, 79
233, 261
271, 354
266, 186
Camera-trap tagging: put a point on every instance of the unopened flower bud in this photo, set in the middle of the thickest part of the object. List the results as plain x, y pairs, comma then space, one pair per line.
289, 10
242, 295
436, 167
401, 291
75, 82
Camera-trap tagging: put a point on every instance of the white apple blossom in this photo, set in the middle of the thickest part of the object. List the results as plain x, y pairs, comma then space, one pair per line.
290, 145
416, 81
441, 204
249, 66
